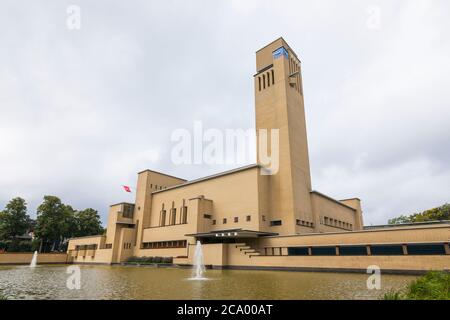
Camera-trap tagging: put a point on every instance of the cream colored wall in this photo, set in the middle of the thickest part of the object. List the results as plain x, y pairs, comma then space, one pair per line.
323, 206
126, 237
394, 235
89, 240
356, 204
405, 263
213, 254
103, 256
26, 257
280, 106
232, 195
169, 252
148, 181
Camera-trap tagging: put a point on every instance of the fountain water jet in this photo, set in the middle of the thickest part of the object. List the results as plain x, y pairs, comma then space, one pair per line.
34, 260
199, 267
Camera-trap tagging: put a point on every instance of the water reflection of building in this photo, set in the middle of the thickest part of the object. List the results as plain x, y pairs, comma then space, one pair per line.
251, 220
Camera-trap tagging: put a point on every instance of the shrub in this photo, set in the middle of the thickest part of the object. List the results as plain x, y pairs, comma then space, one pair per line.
432, 286
4, 244
167, 260
16, 245
149, 260
435, 285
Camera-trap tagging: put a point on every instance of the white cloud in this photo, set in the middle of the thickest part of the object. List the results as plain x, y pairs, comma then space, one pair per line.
82, 111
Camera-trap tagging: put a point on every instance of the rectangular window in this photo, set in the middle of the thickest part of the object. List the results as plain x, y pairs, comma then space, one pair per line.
386, 250
184, 215
127, 211
236, 219
293, 251
174, 216
353, 251
207, 216
224, 221
274, 223
214, 222
162, 244
248, 218
323, 251
162, 219
426, 249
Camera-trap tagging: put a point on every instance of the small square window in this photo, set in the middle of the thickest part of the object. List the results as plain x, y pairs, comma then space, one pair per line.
214, 222
275, 223
236, 219
248, 218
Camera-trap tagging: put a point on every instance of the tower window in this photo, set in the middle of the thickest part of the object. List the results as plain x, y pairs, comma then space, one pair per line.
184, 214
274, 223
264, 81
259, 83
174, 216
273, 77
268, 79
162, 221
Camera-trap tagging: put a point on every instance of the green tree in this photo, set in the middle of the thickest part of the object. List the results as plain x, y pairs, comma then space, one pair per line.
439, 213
55, 221
398, 220
435, 285
14, 220
88, 223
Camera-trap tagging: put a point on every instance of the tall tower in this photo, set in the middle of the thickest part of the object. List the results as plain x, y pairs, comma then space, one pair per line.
279, 105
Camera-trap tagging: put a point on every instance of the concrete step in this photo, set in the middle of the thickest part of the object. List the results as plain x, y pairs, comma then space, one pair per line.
254, 254
250, 251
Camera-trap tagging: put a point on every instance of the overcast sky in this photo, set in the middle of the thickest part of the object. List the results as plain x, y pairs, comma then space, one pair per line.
82, 111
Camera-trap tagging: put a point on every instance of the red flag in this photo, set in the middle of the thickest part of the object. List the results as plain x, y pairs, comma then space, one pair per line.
127, 188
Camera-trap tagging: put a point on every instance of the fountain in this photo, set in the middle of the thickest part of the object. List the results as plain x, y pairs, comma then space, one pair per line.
34, 260
199, 267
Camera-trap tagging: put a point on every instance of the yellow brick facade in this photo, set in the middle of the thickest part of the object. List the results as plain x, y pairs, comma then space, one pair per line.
246, 218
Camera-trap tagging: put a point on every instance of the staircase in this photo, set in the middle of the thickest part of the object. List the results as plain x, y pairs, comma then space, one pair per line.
247, 250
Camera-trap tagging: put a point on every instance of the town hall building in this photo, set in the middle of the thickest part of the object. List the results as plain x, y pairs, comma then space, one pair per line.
246, 218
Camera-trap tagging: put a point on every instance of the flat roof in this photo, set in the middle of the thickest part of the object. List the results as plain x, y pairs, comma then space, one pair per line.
161, 173
279, 38
120, 203
217, 175
343, 233
410, 224
332, 199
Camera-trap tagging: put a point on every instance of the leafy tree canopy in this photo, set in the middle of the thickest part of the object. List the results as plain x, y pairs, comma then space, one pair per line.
55, 220
14, 220
439, 213
87, 223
